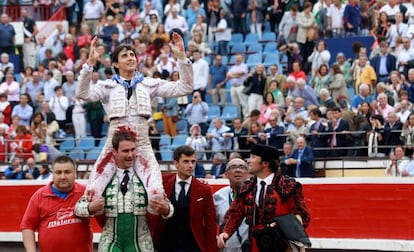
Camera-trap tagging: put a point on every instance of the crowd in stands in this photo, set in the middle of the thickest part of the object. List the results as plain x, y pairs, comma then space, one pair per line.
360, 106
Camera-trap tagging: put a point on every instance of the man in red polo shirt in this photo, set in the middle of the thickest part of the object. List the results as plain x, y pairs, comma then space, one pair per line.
50, 213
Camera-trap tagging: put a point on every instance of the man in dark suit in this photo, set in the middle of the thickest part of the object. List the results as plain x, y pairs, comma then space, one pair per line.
318, 137
384, 63
339, 127
392, 131
288, 170
240, 138
191, 227
218, 167
302, 158
273, 134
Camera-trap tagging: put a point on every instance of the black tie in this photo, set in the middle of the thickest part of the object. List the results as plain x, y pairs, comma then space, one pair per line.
261, 194
124, 183
130, 90
181, 196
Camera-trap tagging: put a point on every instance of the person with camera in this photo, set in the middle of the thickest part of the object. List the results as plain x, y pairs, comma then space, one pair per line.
197, 112
266, 196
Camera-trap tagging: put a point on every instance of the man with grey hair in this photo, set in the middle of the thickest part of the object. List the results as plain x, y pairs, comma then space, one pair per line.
7, 35
237, 172
69, 87
237, 74
292, 89
218, 167
307, 93
361, 97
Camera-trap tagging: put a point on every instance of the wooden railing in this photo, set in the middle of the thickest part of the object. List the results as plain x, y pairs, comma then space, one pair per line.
38, 13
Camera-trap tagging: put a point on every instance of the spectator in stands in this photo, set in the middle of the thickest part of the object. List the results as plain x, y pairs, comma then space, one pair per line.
383, 107
319, 56
29, 45
58, 38
34, 87
398, 162
338, 85
84, 39
277, 94
287, 169
95, 117
237, 74
297, 72
363, 96
153, 24
197, 141
170, 116
306, 21
340, 128
176, 22
253, 117
92, 13
334, 14
254, 134
394, 87
267, 107
274, 135
195, 18
58, 104
107, 64
288, 26
23, 143
407, 135
239, 141
83, 56
5, 63
7, 35
365, 74
49, 86
222, 33
144, 35
238, 14
299, 130
351, 18
275, 76
392, 131
147, 11
149, 68
201, 44
298, 109
12, 89
106, 32
237, 172
13, 126
218, 167
217, 81
302, 157
306, 92
292, 53
165, 64
257, 9
30, 170
398, 29
406, 55
403, 110
45, 174
376, 139
23, 110
128, 35
15, 170
65, 64
40, 49
160, 33
25, 77
201, 70
345, 67
318, 137
384, 63
48, 57
321, 79
219, 141
53, 68
37, 129
5, 108
5, 144
256, 81
79, 117
197, 112
69, 87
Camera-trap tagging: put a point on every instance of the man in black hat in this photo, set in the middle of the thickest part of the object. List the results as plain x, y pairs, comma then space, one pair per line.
262, 198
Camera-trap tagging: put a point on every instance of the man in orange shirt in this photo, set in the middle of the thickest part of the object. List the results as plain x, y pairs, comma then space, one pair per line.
365, 74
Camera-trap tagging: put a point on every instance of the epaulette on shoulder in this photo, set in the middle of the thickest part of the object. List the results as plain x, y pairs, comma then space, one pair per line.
286, 186
247, 186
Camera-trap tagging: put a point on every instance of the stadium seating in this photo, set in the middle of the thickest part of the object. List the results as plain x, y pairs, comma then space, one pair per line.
165, 141
166, 155
254, 49
268, 37
236, 38
86, 143
93, 154
270, 47
182, 126
237, 48
68, 145
160, 126
178, 141
213, 111
271, 59
253, 60
229, 112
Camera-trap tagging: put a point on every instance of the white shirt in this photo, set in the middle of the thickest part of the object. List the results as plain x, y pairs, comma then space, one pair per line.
410, 14
390, 11
13, 89
405, 56
178, 186
336, 15
49, 88
176, 23
120, 173
400, 31
59, 105
268, 181
200, 71
223, 35
93, 10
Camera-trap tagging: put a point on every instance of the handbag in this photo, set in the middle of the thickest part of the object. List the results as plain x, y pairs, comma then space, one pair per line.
175, 118
248, 86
